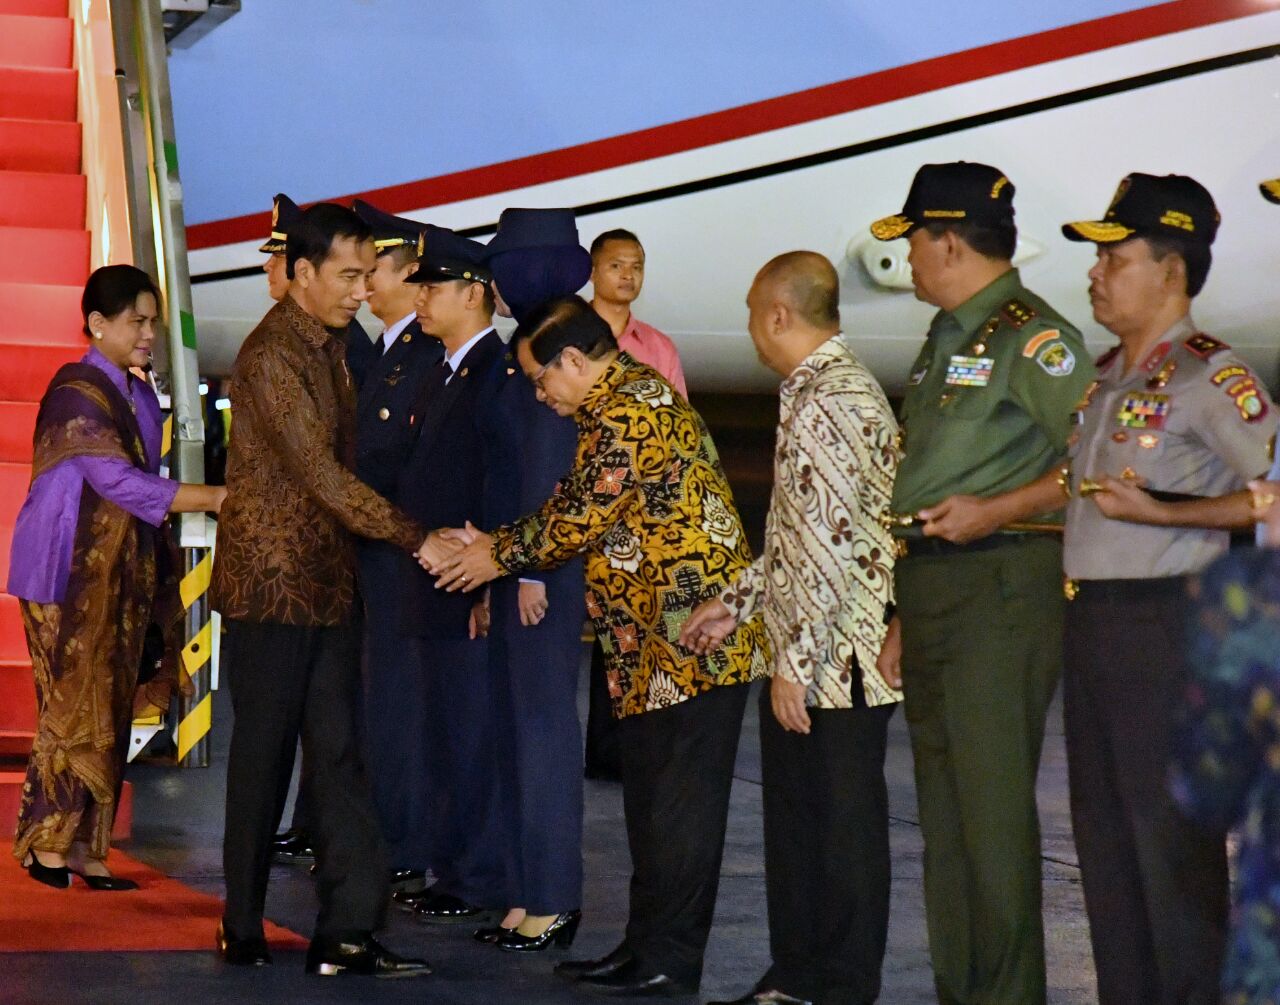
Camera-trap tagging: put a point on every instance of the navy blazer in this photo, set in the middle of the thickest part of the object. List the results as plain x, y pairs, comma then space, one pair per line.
392, 385
361, 352
527, 450
442, 485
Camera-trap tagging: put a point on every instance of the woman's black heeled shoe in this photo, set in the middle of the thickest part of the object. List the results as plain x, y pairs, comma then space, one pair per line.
491, 934
559, 933
105, 882
56, 876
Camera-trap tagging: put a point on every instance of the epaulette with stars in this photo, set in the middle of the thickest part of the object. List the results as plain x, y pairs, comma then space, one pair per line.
1017, 314
1204, 346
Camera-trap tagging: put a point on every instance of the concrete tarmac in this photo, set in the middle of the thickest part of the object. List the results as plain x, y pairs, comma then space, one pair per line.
178, 820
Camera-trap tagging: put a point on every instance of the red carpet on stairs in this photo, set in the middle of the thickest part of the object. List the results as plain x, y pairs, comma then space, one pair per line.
164, 914
44, 261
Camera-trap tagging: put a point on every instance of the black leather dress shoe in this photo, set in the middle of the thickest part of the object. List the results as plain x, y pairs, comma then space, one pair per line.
765, 996
365, 956
446, 909
410, 899
292, 846
406, 879
573, 970
630, 982
242, 952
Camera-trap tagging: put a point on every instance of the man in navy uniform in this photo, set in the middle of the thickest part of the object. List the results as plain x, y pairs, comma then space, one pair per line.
442, 484
397, 757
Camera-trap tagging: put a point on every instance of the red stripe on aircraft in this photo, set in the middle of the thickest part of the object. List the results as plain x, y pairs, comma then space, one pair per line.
774, 113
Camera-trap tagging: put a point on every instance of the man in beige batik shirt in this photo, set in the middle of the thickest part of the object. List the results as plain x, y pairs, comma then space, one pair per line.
824, 586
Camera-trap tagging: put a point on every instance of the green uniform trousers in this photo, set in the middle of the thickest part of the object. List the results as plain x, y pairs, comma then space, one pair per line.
981, 657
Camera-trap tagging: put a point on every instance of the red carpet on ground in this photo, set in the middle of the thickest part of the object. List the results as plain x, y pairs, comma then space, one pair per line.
163, 914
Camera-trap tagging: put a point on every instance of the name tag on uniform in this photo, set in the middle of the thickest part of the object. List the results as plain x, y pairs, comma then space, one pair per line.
970, 371
1144, 411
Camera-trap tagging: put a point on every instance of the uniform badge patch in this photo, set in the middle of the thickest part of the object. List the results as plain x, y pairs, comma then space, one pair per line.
1036, 341
970, 371
1148, 441
1144, 411
1056, 359
1244, 393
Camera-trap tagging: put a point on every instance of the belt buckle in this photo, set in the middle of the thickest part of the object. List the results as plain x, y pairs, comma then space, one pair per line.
1070, 588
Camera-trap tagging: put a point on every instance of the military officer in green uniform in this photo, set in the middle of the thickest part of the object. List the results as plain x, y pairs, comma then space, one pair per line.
986, 417
1169, 435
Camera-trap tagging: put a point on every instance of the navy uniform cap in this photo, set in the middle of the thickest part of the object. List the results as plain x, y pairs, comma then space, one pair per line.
1147, 205
388, 231
284, 214
519, 229
447, 255
1270, 190
960, 191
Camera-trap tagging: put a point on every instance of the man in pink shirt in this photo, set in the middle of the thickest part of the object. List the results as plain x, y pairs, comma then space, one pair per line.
617, 277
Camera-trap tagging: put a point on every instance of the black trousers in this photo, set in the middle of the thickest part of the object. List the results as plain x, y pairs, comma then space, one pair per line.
826, 852
288, 681
677, 770
1155, 887
603, 757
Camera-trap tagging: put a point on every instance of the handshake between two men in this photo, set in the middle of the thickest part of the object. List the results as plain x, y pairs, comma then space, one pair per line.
462, 559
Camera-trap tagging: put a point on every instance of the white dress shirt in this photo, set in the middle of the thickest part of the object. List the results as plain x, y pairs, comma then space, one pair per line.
392, 333
454, 360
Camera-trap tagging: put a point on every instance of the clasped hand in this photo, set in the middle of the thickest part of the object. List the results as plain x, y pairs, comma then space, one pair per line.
460, 557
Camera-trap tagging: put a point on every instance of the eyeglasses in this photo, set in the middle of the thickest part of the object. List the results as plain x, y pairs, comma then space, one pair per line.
536, 379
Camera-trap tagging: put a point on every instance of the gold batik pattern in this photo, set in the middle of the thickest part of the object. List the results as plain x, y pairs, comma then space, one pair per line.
649, 506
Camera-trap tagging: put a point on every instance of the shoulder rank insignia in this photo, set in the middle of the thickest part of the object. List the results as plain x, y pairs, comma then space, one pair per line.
1017, 313
1204, 346
1105, 359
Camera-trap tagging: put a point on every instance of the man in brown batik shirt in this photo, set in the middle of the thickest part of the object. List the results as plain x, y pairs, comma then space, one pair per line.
284, 578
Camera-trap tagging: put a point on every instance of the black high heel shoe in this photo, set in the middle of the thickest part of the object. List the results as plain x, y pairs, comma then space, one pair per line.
56, 876
491, 934
105, 882
559, 933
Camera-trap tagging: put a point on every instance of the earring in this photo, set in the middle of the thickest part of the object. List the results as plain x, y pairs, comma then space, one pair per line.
97, 335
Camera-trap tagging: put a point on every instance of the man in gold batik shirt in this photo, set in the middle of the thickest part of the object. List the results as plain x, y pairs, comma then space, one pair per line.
648, 506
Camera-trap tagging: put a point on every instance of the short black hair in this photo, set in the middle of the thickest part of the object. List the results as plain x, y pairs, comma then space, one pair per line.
112, 290
996, 240
317, 228
1196, 255
617, 234
561, 322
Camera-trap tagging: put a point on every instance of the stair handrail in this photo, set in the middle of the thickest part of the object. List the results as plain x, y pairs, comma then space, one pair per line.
158, 232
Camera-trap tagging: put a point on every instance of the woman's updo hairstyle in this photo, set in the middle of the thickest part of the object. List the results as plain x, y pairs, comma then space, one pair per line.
113, 289
561, 322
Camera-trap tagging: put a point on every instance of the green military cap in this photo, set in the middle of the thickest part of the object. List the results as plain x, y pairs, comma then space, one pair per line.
1146, 205
959, 191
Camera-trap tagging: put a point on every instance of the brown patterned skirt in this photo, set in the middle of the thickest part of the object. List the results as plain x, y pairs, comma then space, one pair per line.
85, 701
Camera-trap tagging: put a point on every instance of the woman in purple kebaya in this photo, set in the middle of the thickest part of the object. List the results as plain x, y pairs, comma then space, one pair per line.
90, 566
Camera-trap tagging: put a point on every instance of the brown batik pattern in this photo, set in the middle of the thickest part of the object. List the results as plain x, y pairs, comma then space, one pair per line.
286, 550
85, 650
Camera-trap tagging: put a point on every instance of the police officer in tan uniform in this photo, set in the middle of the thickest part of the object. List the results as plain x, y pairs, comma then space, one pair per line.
1167, 437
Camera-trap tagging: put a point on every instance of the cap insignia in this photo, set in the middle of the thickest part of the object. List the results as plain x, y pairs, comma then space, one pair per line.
1001, 182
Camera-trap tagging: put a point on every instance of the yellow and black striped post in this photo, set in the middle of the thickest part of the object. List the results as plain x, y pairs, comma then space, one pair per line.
195, 711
